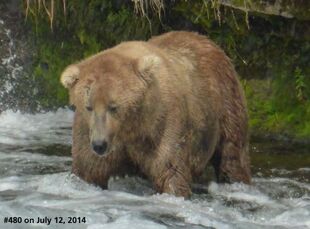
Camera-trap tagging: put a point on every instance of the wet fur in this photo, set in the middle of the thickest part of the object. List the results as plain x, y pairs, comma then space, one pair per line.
187, 110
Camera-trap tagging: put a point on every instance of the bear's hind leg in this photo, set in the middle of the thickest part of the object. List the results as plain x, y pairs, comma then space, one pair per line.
231, 164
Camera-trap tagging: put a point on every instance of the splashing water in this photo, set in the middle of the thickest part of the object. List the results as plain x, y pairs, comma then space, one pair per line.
17, 88
11, 70
35, 181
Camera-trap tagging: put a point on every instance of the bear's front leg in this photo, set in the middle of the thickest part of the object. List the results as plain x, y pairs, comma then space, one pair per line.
174, 179
169, 169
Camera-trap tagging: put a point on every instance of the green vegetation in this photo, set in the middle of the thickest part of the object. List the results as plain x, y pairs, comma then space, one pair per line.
271, 53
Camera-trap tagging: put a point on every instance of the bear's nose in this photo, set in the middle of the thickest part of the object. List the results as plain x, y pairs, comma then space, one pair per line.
99, 146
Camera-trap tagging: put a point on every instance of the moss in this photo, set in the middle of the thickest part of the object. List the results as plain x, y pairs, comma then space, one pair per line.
268, 116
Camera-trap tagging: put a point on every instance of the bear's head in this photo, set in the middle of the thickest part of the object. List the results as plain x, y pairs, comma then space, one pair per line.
107, 89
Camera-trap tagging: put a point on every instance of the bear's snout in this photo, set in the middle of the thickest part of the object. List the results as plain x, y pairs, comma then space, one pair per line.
100, 146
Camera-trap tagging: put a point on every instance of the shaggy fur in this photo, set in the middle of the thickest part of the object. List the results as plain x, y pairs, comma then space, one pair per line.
166, 108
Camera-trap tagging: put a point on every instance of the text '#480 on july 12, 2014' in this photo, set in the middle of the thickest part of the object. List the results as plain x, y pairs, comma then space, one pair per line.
44, 220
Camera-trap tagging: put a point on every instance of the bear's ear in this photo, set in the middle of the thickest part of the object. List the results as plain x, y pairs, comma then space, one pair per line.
70, 76
147, 67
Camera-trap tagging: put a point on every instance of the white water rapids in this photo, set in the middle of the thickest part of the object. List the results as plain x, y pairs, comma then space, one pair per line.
35, 181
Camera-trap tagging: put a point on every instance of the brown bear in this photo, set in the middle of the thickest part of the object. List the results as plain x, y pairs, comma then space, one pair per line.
162, 108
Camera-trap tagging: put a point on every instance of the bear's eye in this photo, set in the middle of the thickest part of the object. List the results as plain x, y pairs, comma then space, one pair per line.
72, 107
89, 108
112, 108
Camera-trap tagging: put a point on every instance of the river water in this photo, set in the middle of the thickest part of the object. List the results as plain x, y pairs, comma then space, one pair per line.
35, 181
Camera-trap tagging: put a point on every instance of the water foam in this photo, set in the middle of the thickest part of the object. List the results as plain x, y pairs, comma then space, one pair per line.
36, 129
